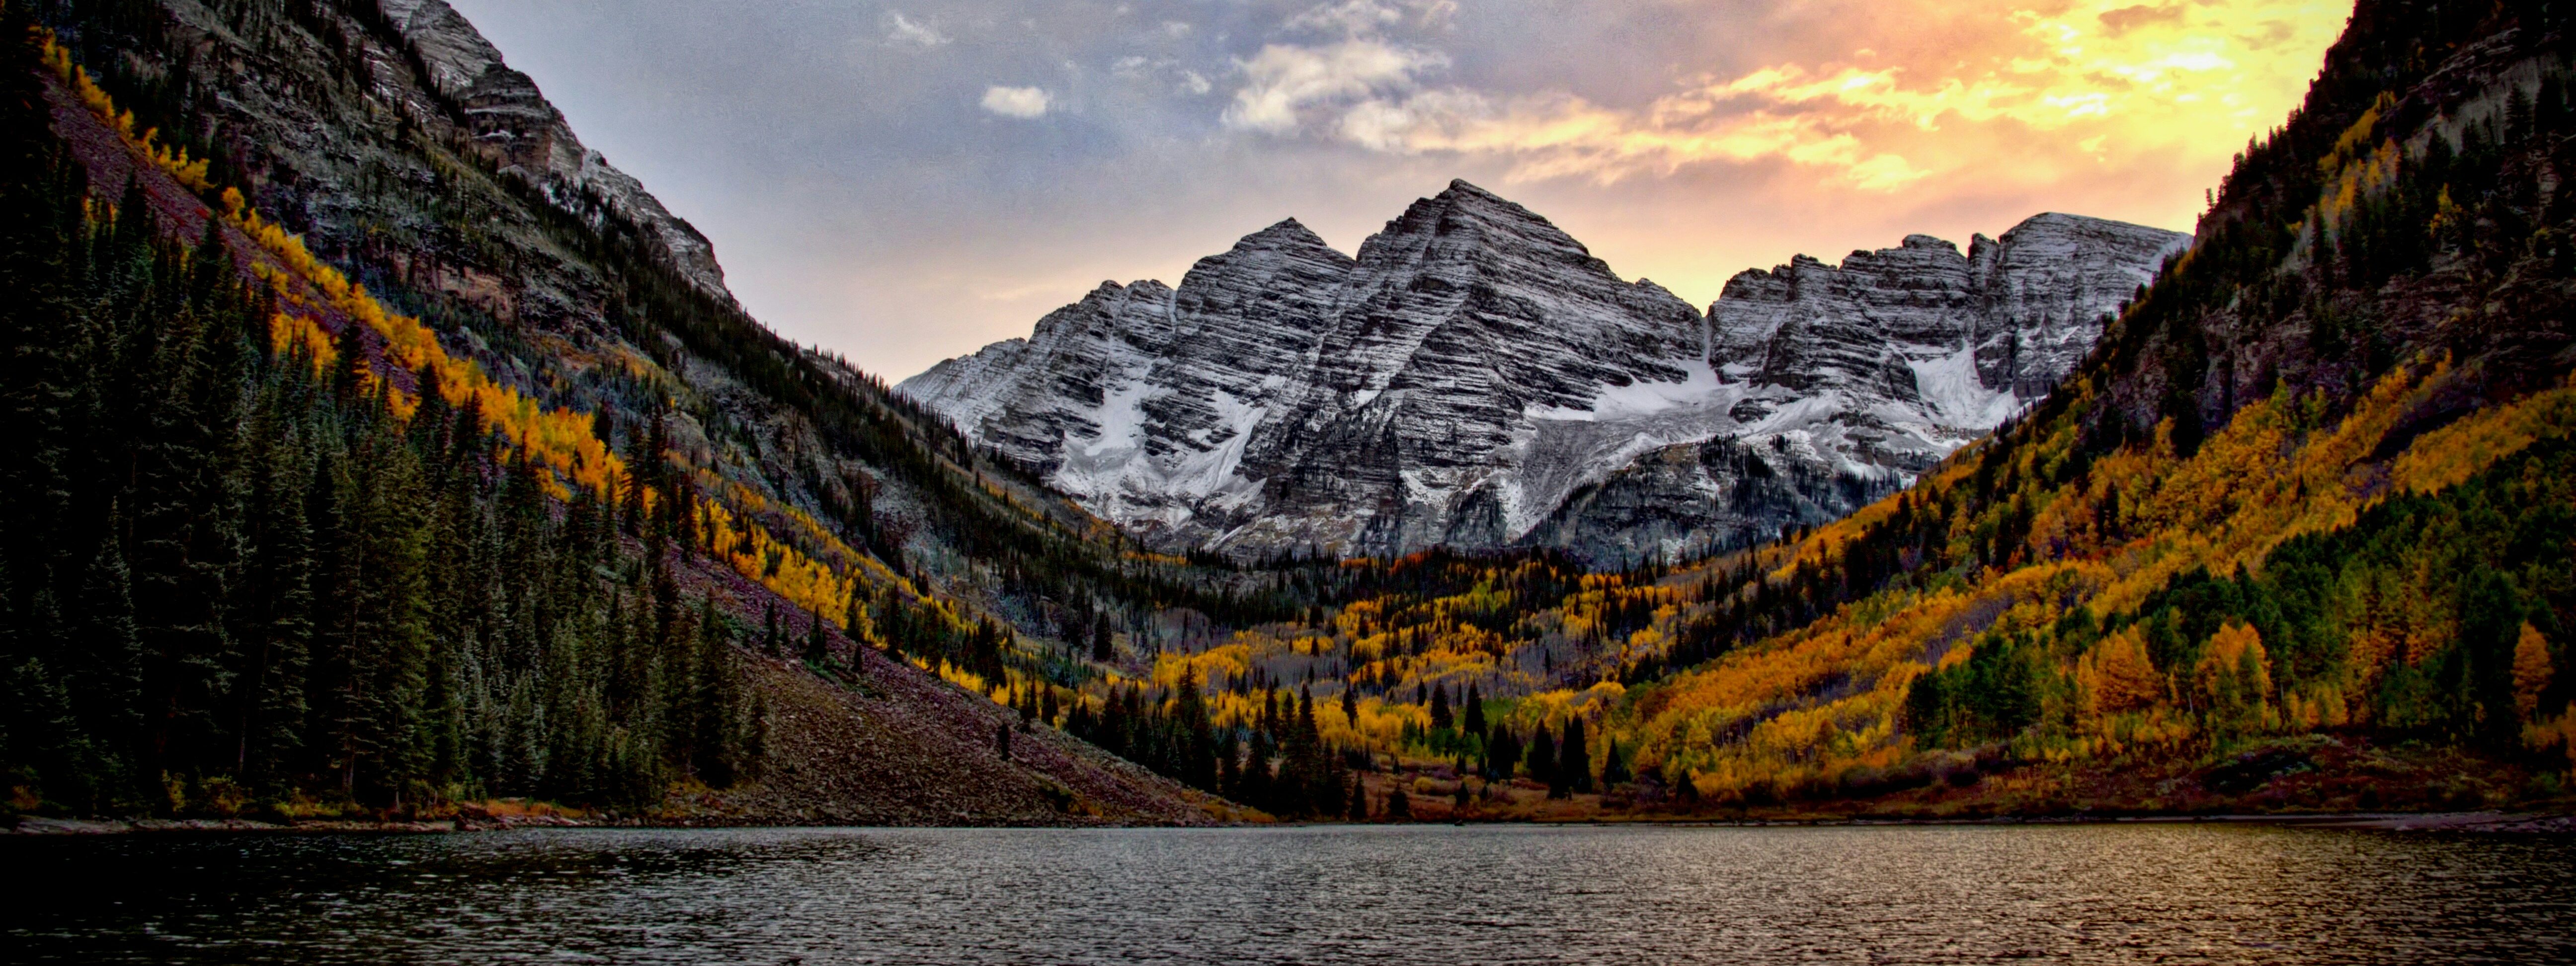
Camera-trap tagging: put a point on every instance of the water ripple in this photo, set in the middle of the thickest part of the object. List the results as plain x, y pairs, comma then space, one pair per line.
2084, 894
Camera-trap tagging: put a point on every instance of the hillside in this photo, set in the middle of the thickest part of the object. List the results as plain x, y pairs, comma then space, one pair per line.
387, 450
2296, 535
384, 452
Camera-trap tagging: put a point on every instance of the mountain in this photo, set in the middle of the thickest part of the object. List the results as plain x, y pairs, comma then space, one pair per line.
1475, 379
386, 450
377, 454
2297, 535
529, 139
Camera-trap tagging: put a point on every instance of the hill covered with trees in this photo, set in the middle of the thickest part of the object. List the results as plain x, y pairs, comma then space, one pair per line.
373, 466
374, 461
2297, 535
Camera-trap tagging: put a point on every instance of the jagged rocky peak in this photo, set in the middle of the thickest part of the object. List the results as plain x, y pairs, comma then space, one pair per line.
2050, 284
1475, 377
513, 120
1967, 334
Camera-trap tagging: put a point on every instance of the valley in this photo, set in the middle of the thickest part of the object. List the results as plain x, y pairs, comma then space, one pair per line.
387, 455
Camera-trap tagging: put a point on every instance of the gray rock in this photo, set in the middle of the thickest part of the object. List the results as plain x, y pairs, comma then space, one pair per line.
1476, 379
506, 111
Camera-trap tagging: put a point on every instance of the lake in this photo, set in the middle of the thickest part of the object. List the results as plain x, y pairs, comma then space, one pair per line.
1429, 894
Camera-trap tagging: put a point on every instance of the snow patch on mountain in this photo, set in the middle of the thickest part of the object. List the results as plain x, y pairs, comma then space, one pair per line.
1475, 378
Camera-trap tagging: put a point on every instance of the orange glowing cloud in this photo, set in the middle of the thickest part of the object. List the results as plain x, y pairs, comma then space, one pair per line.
1920, 92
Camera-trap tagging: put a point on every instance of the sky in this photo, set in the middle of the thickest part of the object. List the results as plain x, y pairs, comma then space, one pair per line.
906, 181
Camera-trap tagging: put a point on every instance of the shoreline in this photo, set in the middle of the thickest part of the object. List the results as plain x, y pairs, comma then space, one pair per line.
2484, 822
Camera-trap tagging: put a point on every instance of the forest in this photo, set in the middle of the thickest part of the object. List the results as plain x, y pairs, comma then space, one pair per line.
284, 533
2301, 516
236, 569
297, 538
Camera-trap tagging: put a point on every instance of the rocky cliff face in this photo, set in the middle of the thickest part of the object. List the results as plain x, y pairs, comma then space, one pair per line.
1843, 382
507, 115
1476, 379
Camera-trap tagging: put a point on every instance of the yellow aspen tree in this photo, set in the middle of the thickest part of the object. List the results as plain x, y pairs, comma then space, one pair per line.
2116, 675
2530, 670
2234, 677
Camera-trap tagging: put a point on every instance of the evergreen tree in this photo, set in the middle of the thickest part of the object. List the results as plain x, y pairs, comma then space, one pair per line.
1502, 753
1574, 762
1614, 766
818, 646
1542, 759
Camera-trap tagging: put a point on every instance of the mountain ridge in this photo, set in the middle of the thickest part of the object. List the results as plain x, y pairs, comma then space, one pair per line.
1475, 378
603, 535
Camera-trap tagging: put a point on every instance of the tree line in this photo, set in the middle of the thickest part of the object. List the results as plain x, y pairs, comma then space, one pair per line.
231, 578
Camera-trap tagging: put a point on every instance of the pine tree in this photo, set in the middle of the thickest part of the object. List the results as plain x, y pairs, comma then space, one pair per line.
1502, 753
1574, 761
818, 647
1614, 766
102, 673
1229, 766
1542, 759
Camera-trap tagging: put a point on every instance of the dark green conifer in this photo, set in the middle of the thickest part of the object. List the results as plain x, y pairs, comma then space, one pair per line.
1542, 758
1574, 761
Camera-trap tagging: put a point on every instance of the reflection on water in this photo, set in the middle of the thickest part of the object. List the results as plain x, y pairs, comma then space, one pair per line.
2124, 893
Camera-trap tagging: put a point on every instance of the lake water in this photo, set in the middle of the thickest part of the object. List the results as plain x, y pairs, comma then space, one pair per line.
2093, 893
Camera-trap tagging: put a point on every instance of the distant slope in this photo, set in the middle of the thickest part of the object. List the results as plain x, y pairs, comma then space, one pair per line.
1476, 380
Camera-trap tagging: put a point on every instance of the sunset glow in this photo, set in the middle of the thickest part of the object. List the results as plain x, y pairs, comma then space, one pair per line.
1016, 157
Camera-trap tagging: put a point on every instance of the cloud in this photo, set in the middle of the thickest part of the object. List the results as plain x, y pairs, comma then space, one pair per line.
2125, 19
1285, 83
1355, 18
1019, 102
1681, 139
2146, 76
901, 31
1561, 136
1165, 70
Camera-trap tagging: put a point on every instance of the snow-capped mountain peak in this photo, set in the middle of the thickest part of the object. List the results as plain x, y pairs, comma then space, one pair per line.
1474, 377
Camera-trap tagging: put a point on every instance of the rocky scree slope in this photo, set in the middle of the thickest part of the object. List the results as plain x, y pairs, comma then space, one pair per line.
1475, 379
392, 140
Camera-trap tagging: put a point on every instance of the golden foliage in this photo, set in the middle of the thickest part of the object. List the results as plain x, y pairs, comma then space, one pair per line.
2116, 675
293, 334
559, 439
2233, 680
2450, 455
2531, 671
